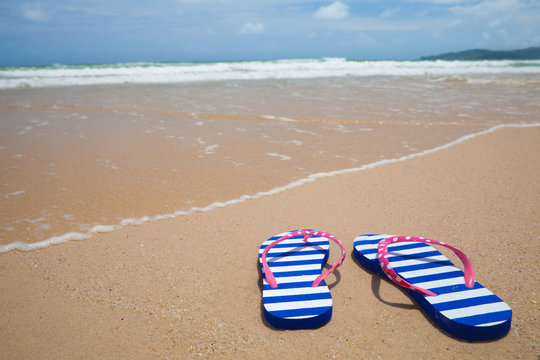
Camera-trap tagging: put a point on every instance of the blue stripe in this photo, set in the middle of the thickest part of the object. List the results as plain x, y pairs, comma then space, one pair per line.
279, 237
294, 237
457, 304
433, 277
454, 288
485, 318
367, 242
304, 297
296, 273
368, 251
424, 255
297, 262
402, 246
395, 247
300, 312
294, 252
301, 284
297, 244
422, 266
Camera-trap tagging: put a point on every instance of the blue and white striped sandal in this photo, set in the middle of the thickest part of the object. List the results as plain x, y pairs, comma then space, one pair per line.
453, 299
294, 293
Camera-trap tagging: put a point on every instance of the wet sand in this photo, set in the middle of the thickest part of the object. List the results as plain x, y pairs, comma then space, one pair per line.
76, 160
189, 287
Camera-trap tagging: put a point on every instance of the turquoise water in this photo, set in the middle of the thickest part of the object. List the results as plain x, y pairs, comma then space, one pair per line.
181, 72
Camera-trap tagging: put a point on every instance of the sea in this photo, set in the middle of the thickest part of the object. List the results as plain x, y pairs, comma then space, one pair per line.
525, 72
94, 148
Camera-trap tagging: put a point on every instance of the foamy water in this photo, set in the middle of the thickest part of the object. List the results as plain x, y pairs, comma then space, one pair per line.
163, 73
71, 236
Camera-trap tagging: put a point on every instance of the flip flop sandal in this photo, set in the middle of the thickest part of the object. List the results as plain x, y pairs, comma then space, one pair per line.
453, 299
294, 294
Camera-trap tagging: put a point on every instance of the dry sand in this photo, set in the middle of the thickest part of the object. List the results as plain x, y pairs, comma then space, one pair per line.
189, 287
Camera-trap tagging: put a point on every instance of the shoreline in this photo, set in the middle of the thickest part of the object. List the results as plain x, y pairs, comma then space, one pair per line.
82, 159
190, 286
78, 236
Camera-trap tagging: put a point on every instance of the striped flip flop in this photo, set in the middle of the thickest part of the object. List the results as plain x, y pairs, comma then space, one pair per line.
452, 298
294, 294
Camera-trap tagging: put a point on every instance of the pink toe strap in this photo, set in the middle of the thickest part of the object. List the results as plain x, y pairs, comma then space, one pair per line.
382, 254
307, 234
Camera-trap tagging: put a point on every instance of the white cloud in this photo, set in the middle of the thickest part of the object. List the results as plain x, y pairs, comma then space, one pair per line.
251, 28
376, 24
390, 12
487, 8
336, 10
34, 12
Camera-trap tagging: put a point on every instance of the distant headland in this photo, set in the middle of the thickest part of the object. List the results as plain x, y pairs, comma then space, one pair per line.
532, 53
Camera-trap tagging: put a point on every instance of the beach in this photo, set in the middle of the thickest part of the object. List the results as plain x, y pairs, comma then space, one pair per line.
133, 213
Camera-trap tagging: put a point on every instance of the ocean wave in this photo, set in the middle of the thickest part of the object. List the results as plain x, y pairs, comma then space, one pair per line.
490, 80
163, 73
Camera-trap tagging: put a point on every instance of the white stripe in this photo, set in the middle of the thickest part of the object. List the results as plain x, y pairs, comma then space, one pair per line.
293, 279
372, 237
294, 258
430, 271
475, 310
491, 323
294, 242
460, 295
413, 251
409, 262
313, 239
300, 317
274, 238
370, 256
396, 252
293, 305
296, 248
277, 269
360, 248
295, 291
458, 280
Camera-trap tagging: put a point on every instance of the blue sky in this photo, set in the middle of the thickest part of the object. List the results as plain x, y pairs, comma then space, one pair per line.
105, 31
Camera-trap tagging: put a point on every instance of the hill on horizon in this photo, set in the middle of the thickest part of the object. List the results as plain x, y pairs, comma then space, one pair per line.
531, 53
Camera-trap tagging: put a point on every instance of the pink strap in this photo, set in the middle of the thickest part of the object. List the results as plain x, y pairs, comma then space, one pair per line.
382, 254
307, 234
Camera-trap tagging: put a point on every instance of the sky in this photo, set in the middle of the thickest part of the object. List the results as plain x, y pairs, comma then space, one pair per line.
110, 31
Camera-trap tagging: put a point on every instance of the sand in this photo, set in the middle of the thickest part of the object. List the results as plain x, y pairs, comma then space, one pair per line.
70, 168
189, 287
76, 157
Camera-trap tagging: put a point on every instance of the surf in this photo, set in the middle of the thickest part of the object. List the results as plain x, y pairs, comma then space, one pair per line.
184, 72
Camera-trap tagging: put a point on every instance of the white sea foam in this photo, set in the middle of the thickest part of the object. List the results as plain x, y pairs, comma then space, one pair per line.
21, 246
280, 156
210, 149
15, 193
26, 129
160, 73
279, 118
